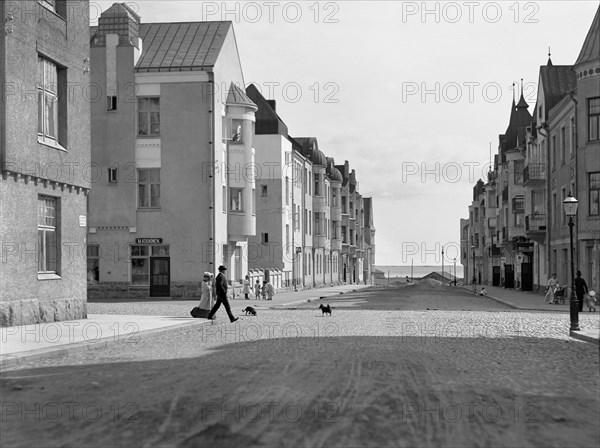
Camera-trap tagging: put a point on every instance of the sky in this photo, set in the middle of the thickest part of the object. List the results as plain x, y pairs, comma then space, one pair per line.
412, 94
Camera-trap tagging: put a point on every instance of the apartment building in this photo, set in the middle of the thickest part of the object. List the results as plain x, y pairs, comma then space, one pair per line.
172, 141
44, 160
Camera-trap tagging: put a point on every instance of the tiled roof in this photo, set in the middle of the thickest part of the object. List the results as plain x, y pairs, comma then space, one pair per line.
558, 80
591, 47
181, 46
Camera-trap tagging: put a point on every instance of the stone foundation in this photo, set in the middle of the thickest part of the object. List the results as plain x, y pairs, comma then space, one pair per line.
34, 311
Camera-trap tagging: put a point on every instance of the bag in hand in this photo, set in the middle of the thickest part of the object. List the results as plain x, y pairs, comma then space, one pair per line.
199, 312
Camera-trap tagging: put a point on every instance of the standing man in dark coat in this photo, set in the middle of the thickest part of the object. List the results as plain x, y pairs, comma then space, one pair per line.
580, 289
221, 286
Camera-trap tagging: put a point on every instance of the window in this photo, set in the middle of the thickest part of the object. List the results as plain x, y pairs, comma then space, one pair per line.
344, 206
148, 116
518, 174
287, 190
573, 138
304, 219
553, 152
563, 215
318, 224
48, 243
149, 188
518, 205
553, 211
563, 145
309, 222
140, 265
224, 198
111, 102
236, 199
50, 111
317, 185
264, 238
93, 261
264, 190
594, 186
594, 119
236, 131
112, 175
335, 197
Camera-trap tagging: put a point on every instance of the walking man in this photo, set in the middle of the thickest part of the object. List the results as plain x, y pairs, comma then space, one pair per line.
580, 290
221, 286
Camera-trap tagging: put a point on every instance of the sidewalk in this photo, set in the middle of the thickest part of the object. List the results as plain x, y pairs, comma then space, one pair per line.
534, 301
51, 339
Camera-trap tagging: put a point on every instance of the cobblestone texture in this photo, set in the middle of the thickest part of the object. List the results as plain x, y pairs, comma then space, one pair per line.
292, 377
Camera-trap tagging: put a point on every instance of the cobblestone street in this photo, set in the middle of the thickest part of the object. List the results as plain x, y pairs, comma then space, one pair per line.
390, 367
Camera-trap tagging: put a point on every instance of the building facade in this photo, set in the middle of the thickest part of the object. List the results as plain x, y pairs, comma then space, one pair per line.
44, 160
544, 158
172, 141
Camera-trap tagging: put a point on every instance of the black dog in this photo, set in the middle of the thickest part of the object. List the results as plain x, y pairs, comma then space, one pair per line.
250, 310
326, 309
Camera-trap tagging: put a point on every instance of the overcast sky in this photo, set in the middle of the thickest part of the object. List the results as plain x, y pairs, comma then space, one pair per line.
412, 94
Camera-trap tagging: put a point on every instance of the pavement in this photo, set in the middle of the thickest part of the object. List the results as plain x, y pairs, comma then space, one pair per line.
534, 301
54, 339
47, 340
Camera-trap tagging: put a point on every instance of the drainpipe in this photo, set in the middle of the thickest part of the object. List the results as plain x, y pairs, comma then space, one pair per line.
212, 192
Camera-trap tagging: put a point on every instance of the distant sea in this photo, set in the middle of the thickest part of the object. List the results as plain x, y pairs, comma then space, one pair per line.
419, 271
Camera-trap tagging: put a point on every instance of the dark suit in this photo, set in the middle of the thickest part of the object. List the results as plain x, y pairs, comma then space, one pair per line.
580, 289
221, 289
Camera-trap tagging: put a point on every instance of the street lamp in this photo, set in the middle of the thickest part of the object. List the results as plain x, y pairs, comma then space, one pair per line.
570, 207
442, 264
454, 271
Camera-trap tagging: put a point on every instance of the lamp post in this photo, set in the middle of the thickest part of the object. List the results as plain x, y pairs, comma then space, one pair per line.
570, 207
454, 271
442, 264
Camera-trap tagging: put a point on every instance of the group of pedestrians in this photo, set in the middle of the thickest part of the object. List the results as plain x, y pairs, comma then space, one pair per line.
219, 288
553, 286
267, 290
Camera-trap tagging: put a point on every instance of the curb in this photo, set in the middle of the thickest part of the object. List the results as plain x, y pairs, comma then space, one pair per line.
312, 299
584, 337
15, 360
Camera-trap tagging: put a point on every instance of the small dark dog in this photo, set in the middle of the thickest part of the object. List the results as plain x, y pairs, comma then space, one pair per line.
250, 310
325, 309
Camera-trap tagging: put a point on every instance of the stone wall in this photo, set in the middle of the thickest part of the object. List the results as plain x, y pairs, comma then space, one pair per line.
34, 311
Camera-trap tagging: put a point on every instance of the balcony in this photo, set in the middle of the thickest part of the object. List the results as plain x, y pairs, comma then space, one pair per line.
535, 223
495, 251
534, 173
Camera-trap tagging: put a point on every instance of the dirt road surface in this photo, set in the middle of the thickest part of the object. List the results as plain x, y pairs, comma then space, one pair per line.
383, 370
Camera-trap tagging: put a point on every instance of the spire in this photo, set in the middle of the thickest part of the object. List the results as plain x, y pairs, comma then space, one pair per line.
590, 51
513, 90
549, 63
522, 103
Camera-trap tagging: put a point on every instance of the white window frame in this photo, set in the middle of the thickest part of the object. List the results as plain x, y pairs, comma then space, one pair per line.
151, 201
48, 224
236, 199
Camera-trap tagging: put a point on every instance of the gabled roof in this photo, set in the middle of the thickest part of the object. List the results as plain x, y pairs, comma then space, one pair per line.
557, 80
267, 120
591, 46
181, 46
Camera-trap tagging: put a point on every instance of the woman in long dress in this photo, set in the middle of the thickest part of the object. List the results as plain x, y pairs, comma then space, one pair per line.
551, 289
206, 293
247, 289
